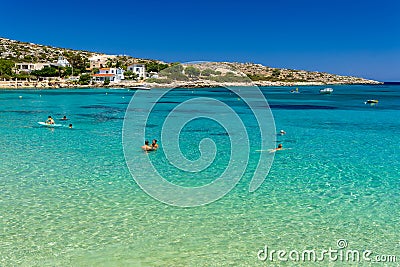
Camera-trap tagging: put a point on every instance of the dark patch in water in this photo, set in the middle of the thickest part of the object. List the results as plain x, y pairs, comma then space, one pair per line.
196, 130
169, 102
70, 92
101, 107
218, 91
297, 107
220, 134
101, 117
24, 111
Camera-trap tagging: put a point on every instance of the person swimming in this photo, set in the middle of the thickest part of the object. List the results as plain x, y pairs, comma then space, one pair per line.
70, 126
280, 147
154, 144
146, 146
282, 132
64, 118
49, 120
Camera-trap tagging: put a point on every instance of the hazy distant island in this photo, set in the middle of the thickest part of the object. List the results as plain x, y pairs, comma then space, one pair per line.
28, 65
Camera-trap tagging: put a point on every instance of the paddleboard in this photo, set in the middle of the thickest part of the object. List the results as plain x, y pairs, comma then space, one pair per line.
49, 125
272, 150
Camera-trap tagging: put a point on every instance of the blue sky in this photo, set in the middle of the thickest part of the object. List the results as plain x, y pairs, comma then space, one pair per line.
360, 38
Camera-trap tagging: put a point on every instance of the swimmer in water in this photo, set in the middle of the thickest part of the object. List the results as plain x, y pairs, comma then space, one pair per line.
146, 146
280, 147
49, 120
154, 144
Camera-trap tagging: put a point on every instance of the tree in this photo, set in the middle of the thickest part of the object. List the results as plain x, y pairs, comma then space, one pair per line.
78, 62
29, 58
175, 68
106, 81
67, 71
192, 71
155, 66
129, 75
46, 72
6, 67
276, 72
207, 72
109, 63
175, 73
84, 79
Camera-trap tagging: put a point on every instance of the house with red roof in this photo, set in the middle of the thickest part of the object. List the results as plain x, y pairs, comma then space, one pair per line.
112, 74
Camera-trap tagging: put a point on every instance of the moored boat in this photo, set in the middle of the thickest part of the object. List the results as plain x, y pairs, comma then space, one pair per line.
140, 87
326, 91
372, 101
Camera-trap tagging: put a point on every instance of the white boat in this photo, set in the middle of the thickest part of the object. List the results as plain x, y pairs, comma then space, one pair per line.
326, 91
140, 87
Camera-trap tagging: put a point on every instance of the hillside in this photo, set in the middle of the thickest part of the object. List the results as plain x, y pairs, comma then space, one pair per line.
200, 74
34, 53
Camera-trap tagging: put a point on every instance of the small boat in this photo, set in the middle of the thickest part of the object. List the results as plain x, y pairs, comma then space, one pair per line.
140, 87
326, 91
295, 91
372, 101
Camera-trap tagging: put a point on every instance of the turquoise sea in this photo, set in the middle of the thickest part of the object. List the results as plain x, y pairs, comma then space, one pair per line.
67, 197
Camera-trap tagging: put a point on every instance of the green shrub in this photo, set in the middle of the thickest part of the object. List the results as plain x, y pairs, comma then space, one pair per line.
192, 71
84, 79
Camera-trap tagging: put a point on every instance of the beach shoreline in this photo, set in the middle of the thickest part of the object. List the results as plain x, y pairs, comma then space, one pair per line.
9, 85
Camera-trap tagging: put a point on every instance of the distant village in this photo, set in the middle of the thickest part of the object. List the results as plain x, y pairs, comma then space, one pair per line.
31, 65
98, 65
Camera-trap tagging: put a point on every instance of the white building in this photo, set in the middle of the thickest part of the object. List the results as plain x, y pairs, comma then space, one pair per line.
62, 62
112, 74
152, 74
139, 69
28, 67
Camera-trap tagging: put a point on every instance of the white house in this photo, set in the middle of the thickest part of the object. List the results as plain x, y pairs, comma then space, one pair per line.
139, 69
28, 67
112, 74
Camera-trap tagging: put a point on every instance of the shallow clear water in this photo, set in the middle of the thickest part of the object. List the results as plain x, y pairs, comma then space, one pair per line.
67, 197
